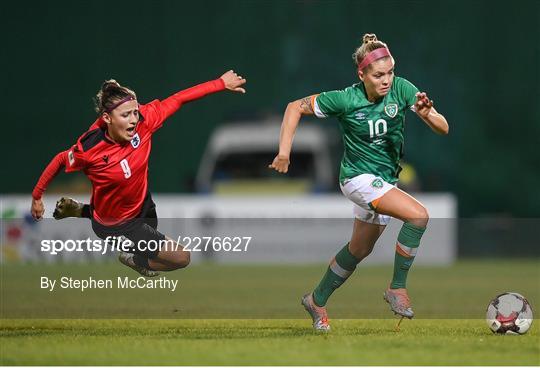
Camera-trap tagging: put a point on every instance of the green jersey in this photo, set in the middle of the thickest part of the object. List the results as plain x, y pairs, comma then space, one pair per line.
372, 131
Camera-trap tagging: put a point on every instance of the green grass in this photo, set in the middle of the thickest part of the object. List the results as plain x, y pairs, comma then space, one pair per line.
261, 342
250, 315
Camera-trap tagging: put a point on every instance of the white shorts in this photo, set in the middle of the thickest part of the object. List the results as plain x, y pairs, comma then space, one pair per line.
362, 190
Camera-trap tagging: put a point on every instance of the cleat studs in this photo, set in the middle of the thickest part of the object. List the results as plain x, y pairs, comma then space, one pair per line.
397, 329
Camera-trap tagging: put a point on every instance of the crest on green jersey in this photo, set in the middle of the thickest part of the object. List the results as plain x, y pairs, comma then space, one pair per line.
377, 183
391, 109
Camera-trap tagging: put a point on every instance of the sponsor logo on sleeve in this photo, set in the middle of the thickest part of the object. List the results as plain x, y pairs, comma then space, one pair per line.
71, 158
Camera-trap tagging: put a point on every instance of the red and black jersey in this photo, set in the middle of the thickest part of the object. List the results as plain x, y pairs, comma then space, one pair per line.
119, 172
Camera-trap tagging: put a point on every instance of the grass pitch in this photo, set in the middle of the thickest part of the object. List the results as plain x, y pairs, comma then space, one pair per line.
262, 342
250, 315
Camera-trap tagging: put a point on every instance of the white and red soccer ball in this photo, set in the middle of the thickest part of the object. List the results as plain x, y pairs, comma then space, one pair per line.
509, 313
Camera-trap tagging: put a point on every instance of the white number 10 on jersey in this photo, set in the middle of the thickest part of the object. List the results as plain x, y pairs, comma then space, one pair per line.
378, 129
125, 168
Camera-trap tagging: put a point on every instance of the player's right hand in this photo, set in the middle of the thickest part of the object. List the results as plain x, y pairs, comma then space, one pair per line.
37, 209
280, 164
233, 81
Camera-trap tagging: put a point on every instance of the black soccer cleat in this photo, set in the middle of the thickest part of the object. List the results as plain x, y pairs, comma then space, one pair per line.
67, 207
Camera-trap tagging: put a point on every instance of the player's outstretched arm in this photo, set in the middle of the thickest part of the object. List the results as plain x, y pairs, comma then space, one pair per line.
230, 81
291, 118
57, 163
425, 110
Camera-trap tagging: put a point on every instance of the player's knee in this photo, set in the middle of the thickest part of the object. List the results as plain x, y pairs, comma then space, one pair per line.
419, 216
423, 214
183, 259
187, 259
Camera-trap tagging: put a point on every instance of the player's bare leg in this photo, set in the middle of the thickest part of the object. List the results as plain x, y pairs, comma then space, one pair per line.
364, 237
398, 204
168, 259
403, 206
171, 257
341, 267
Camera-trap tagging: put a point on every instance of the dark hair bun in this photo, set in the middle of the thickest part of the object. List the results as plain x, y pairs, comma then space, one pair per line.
108, 84
110, 93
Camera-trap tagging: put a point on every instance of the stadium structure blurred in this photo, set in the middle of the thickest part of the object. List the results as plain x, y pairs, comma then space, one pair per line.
483, 169
478, 60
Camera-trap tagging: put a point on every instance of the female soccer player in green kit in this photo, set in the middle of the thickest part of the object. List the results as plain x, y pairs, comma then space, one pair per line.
371, 116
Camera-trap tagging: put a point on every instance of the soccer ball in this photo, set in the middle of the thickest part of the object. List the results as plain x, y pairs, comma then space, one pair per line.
509, 313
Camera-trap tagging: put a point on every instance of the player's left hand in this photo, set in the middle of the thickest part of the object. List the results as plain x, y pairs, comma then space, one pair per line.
423, 104
233, 81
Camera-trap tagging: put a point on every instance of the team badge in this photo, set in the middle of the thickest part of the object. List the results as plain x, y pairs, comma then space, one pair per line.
135, 141
391, 109
377, 183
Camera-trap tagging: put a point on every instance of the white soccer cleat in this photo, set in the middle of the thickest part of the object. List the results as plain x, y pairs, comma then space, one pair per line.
127, 259
399, 302
318, 314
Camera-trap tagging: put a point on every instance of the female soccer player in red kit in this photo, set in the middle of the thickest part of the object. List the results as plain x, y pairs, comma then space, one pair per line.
113, 154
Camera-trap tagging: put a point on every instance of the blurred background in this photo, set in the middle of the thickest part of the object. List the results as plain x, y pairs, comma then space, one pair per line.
478, 60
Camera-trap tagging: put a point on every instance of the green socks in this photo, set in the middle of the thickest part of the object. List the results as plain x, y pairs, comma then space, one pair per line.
344, 264
341, 267
406, 247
